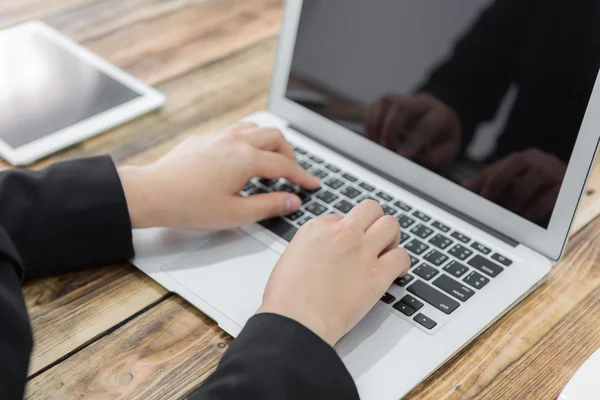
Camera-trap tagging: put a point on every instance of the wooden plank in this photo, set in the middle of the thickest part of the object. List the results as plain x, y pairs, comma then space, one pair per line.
199, 101
13, 12
590, 203
525, 340
222, 78
553, 328
69, 310
162, 354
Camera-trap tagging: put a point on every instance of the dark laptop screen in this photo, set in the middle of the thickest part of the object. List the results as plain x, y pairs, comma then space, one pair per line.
490, 94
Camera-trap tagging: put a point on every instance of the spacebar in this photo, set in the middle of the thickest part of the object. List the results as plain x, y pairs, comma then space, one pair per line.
281, 228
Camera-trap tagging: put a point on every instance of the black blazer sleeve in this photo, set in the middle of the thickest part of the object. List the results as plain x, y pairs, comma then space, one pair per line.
276, 358
68, 216
65, 217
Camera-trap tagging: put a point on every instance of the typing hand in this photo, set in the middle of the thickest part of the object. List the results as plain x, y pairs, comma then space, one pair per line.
336, 269
418, 127
197, 184
526, 183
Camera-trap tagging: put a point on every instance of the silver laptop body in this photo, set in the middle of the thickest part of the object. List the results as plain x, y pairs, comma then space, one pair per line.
473, 258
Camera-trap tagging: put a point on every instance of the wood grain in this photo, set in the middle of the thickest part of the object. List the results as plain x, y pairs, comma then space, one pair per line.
162, 354
113, 333
85, 311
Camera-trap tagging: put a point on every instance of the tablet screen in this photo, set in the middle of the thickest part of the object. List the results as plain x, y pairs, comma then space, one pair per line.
44, 88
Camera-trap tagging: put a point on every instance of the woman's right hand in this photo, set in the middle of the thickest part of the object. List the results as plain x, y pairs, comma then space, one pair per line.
336, 269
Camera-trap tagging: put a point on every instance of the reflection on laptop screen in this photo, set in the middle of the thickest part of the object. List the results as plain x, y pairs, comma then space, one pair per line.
490, 94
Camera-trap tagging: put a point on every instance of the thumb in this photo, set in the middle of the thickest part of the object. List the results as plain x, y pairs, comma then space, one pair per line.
263, 206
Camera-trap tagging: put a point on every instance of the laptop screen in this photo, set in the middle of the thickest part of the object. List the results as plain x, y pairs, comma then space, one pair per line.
489, 94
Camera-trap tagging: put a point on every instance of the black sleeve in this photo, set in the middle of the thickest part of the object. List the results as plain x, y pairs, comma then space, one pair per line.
16, 341
484, 63
68, 216
65, 217
276, 358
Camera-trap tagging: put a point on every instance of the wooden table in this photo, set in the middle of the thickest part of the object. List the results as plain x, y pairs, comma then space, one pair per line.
114, 333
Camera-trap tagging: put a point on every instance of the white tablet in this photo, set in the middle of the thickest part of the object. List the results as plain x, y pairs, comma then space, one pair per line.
55, 93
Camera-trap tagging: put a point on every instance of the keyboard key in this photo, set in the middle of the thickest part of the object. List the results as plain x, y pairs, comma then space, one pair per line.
305, 197
422, 231
304, 221
404, 309
388, 298
327, 197
384, 196
300, 150
317, 159
413, 261
350, 178
486, 266
453, 288
421, 216
367, 187
387, 210
425, 321
405, 221
456, 269
404, 237
434, 297
257, 191
441, 227
481, 248
305, 164
416, 247
405, 280
332, 168
461, 237
403, 206
249, 186
425, 271
282, 187
502, 260
460, 252
351, 192
412, 302
295, 216
436, 258
268, 182
280, 227
476, 280
319, 173
334, 183
316, 208
440, 241
344, 206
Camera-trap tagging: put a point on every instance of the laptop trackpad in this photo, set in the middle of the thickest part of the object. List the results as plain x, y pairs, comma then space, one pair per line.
229, 270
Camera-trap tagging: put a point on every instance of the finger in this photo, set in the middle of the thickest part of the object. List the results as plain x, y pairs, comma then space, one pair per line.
406, 111
329, 218
268, 139
383, 235
242, 126
423, 134
365, 214
375, 117
527, 188
394, 264
274, 165
264, 206
542, 208
476, 182
503, 174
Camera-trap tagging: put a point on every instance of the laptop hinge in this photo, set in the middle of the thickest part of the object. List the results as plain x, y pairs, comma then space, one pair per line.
414, 191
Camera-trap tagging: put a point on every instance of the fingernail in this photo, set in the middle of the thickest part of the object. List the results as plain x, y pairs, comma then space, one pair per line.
292, 204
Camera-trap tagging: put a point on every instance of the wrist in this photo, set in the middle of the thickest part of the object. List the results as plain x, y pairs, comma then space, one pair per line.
138, 188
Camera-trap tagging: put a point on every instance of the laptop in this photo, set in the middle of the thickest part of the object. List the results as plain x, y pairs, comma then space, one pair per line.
478, 142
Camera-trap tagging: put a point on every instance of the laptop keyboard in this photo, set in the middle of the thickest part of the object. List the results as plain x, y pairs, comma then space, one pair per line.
447, 267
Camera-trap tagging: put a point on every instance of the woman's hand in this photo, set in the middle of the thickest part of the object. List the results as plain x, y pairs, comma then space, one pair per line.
197, 185
336, 269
